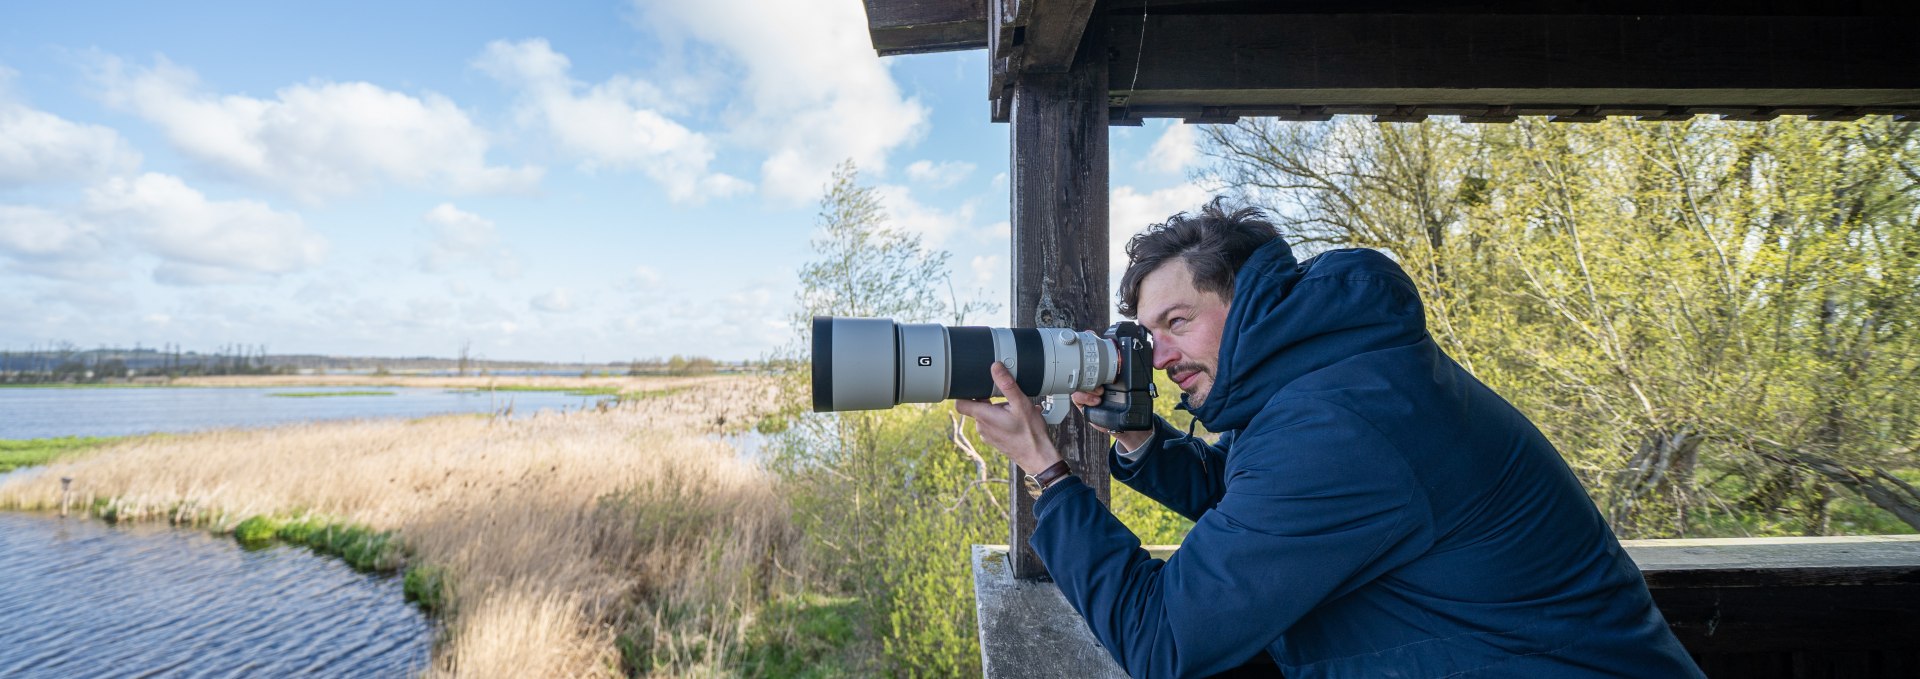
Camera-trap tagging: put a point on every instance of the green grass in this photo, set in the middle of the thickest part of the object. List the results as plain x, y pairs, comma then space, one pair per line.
645, 394
326, 394
361, 547
803, 637
426, 587
25, 453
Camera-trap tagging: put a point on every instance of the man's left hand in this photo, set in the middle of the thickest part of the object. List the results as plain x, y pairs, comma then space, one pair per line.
1014, 427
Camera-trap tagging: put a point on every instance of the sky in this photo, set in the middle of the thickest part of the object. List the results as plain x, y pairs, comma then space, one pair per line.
595, 181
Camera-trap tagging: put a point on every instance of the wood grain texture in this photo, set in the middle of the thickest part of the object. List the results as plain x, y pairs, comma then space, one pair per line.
917, 26
1751, 62
1052, 35
1059, 217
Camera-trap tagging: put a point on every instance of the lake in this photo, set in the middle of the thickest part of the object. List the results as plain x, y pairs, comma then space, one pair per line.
79, 598
28, 413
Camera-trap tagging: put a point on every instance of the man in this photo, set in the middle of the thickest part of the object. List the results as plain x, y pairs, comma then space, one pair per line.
1369, 510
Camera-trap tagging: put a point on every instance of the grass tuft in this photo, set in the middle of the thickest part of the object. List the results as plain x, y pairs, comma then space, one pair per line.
256, 531
29, 452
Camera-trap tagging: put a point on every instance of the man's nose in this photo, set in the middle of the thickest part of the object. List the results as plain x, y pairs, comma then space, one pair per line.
1164, 355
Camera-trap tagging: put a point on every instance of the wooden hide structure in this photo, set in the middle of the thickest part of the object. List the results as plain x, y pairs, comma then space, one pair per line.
1064, 70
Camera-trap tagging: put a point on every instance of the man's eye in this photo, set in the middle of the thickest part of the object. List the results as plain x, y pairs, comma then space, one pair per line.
1177, 322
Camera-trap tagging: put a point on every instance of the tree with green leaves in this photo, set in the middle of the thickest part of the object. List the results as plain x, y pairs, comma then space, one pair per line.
1714, 321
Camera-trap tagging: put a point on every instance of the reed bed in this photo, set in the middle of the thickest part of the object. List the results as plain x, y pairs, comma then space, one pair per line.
565, 538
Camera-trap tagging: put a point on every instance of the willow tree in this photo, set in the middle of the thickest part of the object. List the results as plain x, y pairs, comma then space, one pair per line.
1712, 320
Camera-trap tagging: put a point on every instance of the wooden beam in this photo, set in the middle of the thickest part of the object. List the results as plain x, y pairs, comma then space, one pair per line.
1052, 34
1059, 215
1229, 61
1787, 598
917, 26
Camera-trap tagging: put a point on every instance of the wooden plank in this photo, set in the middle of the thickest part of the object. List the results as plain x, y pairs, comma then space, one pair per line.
1052, 34
1778, 562
1882, 8
1717, 620
1059, 216
916, 26
1752, 62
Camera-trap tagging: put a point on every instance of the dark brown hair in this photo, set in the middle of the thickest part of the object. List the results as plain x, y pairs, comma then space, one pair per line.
1213, 243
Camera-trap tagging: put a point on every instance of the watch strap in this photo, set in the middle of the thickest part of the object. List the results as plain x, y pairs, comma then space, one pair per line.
1047, 477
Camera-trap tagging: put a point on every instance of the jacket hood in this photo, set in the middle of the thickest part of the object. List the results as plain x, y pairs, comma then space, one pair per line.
1289, 318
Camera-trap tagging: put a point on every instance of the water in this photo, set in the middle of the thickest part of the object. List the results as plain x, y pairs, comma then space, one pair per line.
79, 598
749, 444
43, 413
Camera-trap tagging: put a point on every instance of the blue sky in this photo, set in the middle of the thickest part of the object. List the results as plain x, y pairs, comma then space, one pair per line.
601, 181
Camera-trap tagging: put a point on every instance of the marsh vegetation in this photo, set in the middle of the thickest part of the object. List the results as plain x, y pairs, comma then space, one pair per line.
559, 544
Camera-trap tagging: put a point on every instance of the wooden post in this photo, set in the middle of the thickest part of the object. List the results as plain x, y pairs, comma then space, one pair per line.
1059, 205
66, 486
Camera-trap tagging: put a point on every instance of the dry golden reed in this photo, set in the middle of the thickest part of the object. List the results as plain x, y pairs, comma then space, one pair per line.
557, 532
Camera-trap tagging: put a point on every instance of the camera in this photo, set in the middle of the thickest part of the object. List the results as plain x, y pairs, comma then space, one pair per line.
875, 363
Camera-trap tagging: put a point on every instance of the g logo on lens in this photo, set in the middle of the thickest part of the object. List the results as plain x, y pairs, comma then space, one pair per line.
926, 361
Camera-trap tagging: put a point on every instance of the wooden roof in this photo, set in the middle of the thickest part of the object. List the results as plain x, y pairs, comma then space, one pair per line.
1401, 60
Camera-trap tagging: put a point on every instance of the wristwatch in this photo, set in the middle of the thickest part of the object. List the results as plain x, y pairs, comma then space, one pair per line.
1049, 476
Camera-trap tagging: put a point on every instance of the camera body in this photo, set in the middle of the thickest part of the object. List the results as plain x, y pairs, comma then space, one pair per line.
1127, 404
875, 363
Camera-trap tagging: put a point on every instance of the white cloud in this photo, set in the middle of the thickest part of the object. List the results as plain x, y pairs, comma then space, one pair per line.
316, 140
939, 175
1130, 212
29, 231
553, 301
934, 225
36, 146
459, 232
457, 236
201, 241
643, 279
52, 243
1174, 152
814, 92
614, 124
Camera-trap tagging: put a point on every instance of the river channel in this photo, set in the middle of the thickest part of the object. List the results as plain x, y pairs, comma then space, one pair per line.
43, 413
79, 598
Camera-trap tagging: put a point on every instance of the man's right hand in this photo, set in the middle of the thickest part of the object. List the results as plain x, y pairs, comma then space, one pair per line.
1129, 440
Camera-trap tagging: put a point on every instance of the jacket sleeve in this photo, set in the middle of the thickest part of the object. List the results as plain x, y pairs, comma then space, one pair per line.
1183, 472
1315, 506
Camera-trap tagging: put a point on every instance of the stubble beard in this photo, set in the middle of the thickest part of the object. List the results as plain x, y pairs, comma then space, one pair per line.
1198, 396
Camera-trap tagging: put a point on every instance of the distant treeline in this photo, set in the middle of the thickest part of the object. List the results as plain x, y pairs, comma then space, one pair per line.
64, 362
678, 365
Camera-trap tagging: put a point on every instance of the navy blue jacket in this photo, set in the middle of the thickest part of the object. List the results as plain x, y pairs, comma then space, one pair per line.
1370, 510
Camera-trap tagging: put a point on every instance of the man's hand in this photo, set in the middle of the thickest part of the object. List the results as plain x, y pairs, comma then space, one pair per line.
1015, 426
1129, 440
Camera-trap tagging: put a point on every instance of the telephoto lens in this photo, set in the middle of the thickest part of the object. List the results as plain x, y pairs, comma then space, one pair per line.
875, 363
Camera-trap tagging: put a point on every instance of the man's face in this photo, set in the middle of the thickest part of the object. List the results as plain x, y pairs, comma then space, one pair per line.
1186, 324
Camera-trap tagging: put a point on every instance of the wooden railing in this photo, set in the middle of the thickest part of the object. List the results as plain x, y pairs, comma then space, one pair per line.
1756, 607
